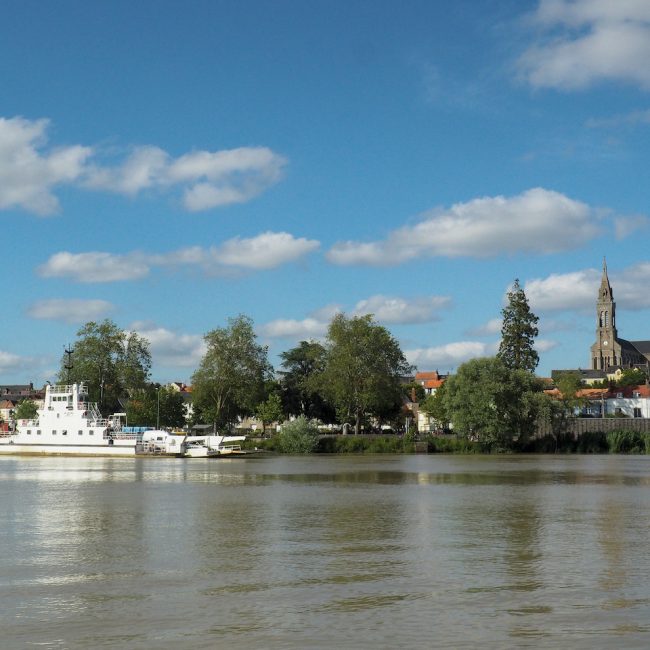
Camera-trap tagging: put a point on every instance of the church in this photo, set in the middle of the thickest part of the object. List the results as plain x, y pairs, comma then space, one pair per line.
610, 352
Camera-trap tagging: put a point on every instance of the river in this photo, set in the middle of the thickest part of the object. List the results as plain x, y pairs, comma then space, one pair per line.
325, 552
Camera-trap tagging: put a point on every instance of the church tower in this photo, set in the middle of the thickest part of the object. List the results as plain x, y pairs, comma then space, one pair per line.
605, 352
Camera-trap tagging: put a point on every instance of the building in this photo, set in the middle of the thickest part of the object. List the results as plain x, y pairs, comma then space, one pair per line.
610, 351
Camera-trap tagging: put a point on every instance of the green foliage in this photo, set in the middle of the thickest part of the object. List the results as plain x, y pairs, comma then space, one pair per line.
435, 406
492, 402
364, 364
631, 377
364, 445
518, 332
626, 442
270, 410
231, 376
453, 445
302, 367
592, 442
111, 361
414, 391
26, 410
298, 437
156, 406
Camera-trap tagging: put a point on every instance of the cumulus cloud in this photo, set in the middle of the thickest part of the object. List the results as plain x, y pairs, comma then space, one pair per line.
171, 348
28, 176
537, 221
577, 290
395, 310
265, 251
492, 327
386, 309
625, 226
10, 362
450, 355
582, 42
30, 171
544, 345
209, 179
69, 310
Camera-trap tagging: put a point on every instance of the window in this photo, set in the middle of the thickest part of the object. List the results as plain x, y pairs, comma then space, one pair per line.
81, 432
38, 433
29, 432
91, 433
53, 432
636, 394
619, 395
637, 412
64, 433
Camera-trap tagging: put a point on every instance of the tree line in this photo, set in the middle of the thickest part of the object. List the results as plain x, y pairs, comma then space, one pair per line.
354, 378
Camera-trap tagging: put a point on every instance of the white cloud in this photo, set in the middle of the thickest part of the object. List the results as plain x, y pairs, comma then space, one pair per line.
170, 348
307, 328
625, 226
578, 290
28, 175
95, 267
564, 291
451, 355
538, 221
10, 362
30, 172
544, 345
69, 310
492, 327
210, 179
395, 310
583, 42
265, 251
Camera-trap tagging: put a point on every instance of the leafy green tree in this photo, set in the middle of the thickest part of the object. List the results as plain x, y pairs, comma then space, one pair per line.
363, 370
298, 437
493, 402
229, 381
435, 407
414, 391
111, 361
156, 406
26, 410
302, 367
518, 332
631, 377
270, 410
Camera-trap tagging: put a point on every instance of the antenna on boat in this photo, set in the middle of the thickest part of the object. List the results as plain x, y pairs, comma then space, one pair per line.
68, 365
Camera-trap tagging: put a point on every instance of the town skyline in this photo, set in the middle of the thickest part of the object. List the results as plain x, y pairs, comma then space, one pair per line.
172, 167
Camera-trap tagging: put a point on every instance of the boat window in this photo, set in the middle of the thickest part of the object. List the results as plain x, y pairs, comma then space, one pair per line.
29, 432
91, 433
64, 433
53, 432
81, 433
38, 433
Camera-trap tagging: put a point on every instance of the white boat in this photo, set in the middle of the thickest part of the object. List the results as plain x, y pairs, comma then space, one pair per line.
211, 446
69, 424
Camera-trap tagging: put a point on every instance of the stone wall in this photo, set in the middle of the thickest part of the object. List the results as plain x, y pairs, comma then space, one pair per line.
578, 426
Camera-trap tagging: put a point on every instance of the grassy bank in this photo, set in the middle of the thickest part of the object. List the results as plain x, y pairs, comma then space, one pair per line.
614, 442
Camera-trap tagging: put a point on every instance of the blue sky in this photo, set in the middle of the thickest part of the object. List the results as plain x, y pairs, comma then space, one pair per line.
170, 165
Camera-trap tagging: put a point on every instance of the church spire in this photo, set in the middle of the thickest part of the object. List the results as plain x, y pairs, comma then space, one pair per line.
605, 292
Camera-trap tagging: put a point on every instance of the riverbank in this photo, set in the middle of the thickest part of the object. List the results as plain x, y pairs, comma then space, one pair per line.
592, 442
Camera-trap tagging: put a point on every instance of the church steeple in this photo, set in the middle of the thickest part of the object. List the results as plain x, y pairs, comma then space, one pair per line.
604, 351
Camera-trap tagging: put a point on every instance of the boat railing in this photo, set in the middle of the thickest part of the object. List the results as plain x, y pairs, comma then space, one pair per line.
229, 447
58, 389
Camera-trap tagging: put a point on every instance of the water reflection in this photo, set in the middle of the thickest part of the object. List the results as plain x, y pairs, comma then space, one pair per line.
370, 552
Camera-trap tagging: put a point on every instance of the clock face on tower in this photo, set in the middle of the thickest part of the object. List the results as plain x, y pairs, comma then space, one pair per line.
604, 342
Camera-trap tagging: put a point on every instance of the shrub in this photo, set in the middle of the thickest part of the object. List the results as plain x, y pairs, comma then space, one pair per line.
298, 437
626, 442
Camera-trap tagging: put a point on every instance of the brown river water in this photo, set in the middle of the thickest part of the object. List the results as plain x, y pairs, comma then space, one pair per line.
325, 552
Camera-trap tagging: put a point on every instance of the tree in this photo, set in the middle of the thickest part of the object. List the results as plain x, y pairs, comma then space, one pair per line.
270, 410
298, 437
518, 332
156, 405
487, 399
363, 370
111, 361
434, 406
229, 381
631, 377
26, 410
302, 367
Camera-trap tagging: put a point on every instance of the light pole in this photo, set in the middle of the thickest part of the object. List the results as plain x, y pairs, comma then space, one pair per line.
158, 408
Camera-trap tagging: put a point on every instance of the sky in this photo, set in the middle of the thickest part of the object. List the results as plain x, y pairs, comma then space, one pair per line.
172, 165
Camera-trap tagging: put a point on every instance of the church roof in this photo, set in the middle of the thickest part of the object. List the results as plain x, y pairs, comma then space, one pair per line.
642, 346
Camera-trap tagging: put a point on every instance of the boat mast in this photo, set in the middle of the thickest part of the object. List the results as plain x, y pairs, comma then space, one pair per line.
68, 365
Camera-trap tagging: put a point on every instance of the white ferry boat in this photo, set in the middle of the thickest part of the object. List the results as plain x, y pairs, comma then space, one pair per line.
69, 424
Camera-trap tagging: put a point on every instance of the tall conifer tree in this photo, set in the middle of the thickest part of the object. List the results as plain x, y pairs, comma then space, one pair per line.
518, 332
